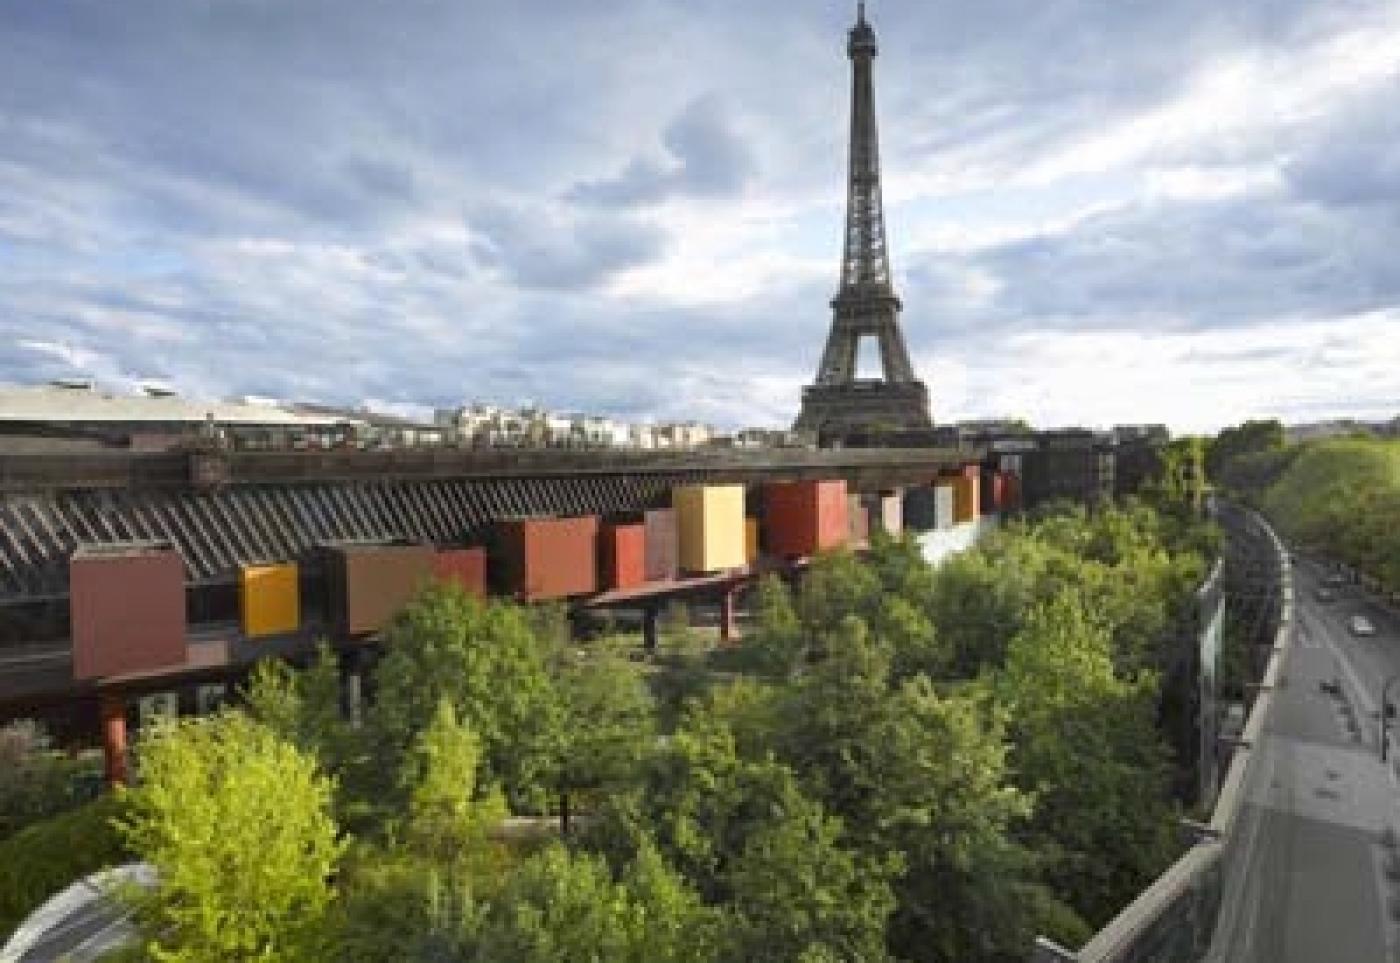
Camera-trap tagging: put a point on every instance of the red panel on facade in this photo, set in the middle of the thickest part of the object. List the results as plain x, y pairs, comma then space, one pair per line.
802, 518
622, 556
548, 558
127, 608
662, 545
998, 496
464, 566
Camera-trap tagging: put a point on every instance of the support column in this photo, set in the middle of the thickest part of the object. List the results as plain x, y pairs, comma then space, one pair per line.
649, 617
728, 628
113, 711
353, 696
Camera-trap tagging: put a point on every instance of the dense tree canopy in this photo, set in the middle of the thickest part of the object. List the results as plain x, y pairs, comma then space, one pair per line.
899, 763
1342, 498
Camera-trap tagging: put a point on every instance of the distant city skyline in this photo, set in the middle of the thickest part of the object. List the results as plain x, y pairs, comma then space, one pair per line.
1182, 213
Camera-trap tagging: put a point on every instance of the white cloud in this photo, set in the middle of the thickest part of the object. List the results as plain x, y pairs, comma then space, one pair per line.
638, 208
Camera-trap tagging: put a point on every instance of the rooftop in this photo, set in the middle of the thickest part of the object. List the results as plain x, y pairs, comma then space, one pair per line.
81, 402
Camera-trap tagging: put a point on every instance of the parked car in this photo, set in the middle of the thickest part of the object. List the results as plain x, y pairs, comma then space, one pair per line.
1325, 595
1360, 625
1336, 578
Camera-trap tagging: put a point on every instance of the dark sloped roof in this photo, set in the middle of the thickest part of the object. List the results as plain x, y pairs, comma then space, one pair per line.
216, 531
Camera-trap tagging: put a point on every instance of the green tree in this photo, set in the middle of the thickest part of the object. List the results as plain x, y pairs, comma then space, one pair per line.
797, 891
609, 726
1234, 446
1086, 747
1341, 499
302, 706
777, 644
566, 906
488, 661
981, 596
238, 825
920, 778
440, 781
744, 835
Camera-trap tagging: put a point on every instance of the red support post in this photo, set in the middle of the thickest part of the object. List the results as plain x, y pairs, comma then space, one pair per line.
113, 709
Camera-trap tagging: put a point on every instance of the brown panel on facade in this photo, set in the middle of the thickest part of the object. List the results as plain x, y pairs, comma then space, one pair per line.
367, 585
662, 545
127, 609
547, 558
463, 566
805, 517
622, 556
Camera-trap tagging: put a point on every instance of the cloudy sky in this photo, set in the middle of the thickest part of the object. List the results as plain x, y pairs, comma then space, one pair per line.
1100, 211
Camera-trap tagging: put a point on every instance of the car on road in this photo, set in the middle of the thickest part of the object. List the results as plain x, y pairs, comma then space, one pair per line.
1360, 625
1325, 595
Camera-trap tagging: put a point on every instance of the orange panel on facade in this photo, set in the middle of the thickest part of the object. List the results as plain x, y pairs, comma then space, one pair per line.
462, 566
547, 558
127, 609
622, 556
965, 498
804, 517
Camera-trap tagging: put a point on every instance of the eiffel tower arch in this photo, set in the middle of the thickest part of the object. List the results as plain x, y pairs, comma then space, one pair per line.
865, 307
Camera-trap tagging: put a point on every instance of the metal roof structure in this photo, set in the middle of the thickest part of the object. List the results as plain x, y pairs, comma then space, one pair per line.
83, 404
216, 531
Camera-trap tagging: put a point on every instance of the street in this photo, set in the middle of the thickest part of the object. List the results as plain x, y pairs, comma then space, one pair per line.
1310, 837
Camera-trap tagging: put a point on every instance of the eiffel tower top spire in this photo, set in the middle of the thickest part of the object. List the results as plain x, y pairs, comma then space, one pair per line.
865, 267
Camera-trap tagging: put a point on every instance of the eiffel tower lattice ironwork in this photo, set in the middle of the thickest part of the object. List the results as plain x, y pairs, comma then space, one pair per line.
865, 307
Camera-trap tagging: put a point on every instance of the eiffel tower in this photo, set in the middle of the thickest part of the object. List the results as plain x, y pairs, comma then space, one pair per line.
865, 306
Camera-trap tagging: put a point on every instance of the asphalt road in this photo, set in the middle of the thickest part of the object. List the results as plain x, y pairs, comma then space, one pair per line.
1312, 887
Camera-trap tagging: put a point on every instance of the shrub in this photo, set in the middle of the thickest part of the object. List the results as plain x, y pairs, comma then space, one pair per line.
42, 859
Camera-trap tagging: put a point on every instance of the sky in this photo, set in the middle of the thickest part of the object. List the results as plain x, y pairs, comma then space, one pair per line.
1099, 211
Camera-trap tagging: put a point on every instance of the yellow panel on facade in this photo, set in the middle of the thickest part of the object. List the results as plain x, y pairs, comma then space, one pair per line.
965, 496
710, 526
268, 599
750, 540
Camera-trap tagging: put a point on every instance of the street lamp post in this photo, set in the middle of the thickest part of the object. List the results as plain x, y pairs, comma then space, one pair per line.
1385, 713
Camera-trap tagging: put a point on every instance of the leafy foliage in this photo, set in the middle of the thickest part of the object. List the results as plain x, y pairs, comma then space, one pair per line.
566, 906
37, 783
42, 859
1086, 748
439, 778
1235, 457
900, 763
490, 663
237, 823
1342, 498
